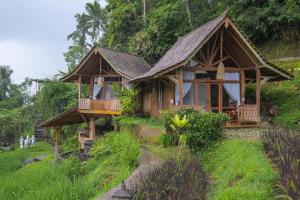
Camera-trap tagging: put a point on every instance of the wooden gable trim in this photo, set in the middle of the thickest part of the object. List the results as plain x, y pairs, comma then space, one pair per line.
253, 50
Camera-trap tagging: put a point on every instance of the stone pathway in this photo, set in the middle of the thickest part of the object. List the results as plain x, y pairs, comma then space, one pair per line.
147, 161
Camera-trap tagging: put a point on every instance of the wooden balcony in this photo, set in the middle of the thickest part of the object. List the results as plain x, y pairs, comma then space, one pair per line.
87, 105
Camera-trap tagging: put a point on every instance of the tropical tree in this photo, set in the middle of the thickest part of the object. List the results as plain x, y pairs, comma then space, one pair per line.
79, 36
5, 81
96, 20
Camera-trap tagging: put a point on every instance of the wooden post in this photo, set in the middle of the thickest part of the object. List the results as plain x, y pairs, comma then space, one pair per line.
91, 86
79, 88
180, 86
154, 103
243, 87
57, 135
258, 88
220, 96
92, 129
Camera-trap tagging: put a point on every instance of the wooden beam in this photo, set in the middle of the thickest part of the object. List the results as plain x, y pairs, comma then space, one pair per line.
220, 96
258, 88
230, 69
180, 86
79, 88
220, 60
243, 87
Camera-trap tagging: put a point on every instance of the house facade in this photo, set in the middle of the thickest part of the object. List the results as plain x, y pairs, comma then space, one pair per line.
207, 70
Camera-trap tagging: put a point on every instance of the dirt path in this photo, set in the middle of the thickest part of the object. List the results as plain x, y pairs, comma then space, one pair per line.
147, 161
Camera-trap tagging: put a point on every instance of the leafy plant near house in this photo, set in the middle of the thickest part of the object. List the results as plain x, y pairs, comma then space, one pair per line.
283, 146
201, 128
128, 99
182, 179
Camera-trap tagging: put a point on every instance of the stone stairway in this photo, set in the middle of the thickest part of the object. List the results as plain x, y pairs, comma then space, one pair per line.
41, 134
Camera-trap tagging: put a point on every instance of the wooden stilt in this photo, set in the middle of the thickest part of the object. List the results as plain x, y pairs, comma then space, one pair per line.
92, 129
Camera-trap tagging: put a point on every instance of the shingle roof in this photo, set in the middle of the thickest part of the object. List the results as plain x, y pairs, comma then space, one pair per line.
184, 47
126, 64
189, 43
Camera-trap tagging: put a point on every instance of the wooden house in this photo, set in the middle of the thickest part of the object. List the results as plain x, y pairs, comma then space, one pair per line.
207, 69
99, 70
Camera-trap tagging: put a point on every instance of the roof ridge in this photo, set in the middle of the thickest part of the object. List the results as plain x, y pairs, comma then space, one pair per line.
131, 54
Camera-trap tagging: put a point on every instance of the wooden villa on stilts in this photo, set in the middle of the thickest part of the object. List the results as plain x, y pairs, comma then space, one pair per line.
207, 69
99, 70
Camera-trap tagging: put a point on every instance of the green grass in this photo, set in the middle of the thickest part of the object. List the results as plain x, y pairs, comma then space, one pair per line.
239, 170
115, 157
163, 153
279, 49
150, 122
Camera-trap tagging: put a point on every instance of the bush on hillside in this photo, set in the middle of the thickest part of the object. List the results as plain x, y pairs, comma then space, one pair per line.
203, 128
283, 146
183, 179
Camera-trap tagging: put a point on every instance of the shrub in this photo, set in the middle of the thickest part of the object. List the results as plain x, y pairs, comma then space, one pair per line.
205, 128
128, 99
283, 146
183, 179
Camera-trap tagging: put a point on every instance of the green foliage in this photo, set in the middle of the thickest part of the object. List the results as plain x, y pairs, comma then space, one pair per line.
202, 128
128, 99
135, 120
286, 96
165, 140
283, 147
55, 97
68, 179
239, 170
205, 128
41, 180
13, 123
114, 158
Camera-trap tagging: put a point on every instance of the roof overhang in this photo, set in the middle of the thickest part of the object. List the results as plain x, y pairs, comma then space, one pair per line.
74, 116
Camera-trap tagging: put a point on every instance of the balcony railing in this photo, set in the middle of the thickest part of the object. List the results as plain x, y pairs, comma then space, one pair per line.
99, 105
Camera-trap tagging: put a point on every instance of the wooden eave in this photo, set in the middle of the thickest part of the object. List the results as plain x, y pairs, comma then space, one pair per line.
76, 116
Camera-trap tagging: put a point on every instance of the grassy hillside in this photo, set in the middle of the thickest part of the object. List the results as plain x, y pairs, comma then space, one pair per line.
115, 157
284, 94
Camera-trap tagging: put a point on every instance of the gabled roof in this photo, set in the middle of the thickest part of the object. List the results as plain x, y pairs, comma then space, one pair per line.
125, 64
186, 46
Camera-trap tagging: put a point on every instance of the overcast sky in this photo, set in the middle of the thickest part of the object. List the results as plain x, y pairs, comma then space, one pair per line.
33, 35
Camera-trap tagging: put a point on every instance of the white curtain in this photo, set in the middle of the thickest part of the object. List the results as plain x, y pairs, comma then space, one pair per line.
185, 87
233, 89
97, 88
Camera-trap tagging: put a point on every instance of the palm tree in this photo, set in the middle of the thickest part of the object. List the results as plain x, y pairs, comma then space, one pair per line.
96, 20
80, 34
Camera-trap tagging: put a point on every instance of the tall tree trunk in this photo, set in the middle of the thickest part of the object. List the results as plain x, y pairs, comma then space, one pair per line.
187, 5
